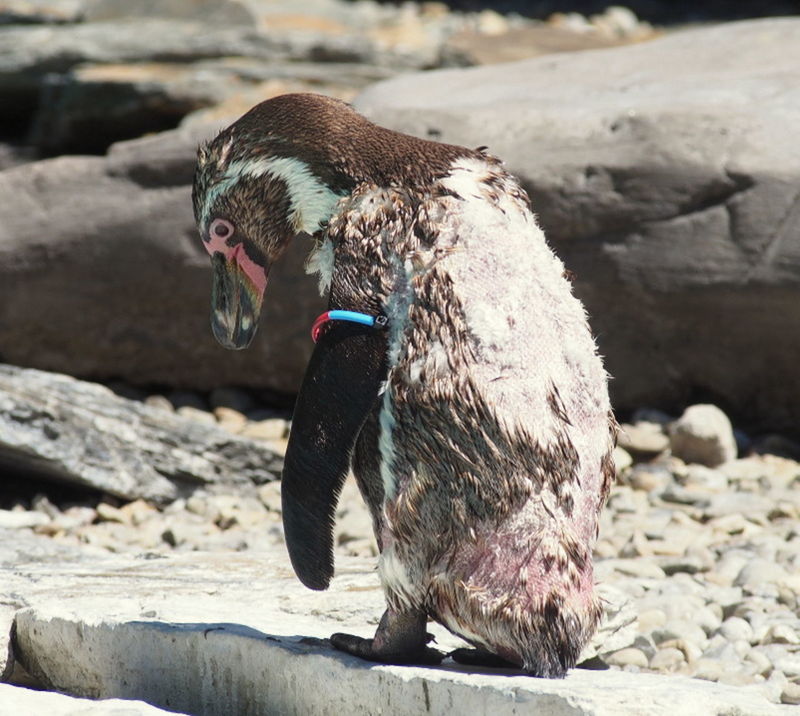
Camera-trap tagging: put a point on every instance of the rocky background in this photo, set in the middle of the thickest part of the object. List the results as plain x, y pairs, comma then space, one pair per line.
659, 150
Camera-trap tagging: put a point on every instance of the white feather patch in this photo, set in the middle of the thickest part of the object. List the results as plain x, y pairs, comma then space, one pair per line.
311, 201
321, 261
386, 446
395, 579
397, 312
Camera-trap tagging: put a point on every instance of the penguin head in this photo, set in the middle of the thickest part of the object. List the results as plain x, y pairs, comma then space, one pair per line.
259, 183
280, 170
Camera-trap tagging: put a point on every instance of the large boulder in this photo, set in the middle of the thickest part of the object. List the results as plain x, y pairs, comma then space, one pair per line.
666, 175
103, 275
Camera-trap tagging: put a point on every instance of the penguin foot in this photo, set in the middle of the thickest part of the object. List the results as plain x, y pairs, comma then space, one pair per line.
481, 657
365, 649
401, 638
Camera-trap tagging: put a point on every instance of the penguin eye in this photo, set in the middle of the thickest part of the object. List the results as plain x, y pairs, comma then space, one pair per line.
221, 229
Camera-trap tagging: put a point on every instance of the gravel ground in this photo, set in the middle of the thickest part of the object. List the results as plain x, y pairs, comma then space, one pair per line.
709, 553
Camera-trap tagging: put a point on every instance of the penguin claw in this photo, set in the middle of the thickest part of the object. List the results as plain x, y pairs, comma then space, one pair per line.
365, 649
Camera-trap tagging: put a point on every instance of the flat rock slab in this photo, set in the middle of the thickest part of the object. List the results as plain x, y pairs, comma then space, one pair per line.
81, 433
221, 634
666, 175
15, 701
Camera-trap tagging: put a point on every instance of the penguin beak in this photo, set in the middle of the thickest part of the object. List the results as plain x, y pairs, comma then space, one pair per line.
237, 292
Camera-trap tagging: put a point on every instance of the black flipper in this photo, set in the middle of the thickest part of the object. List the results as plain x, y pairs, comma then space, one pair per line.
339, 389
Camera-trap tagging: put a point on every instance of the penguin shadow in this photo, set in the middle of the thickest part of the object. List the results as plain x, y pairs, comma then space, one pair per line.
216, 637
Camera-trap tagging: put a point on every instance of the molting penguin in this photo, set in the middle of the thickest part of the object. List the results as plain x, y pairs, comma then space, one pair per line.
455, 373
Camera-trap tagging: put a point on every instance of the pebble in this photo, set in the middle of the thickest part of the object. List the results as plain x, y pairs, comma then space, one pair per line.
707, 669
270, 429
791, 694
704, 435
757, 572
643, 439
649, 477
704, 479
13, 519
109, 513
667, 659
735, 628
230, 419
622, 460
629, 656
159, 401
197, 414
781, 634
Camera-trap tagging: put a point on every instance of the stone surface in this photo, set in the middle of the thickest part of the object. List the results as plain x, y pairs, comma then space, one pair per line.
61, 428
664, 174
643, 438
117, 284
112, 70
238, 634
703, 435
15, 700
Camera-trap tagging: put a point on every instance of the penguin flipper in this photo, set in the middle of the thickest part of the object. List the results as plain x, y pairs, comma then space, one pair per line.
340, 387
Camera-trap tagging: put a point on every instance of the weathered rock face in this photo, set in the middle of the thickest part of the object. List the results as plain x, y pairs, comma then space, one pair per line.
77, 75
65, 429
666, 174
660, 172
102, 274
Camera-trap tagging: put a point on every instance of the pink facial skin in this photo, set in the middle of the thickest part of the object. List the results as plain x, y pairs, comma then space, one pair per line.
218, 232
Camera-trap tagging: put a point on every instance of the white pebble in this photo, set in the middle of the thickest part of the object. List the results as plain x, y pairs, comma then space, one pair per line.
735, 628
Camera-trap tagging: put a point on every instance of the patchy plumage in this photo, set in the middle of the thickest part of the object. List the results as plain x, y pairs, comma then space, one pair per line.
477, 425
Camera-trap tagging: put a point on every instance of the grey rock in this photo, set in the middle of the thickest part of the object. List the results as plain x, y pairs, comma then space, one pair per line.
734, 503
667, 659
10, 519
17, 700
61, 428
629, 656
85, 110
649, 477
643, 438
191, 615
701, 478
664, 174
680, 629
622, 460
227, 12
31, 12
736, 628
760, 571
160, 402
703, 435
102, 275
58, 59
791, 694
707, 669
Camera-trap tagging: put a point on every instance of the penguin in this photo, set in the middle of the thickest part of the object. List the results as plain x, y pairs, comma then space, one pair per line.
455, 373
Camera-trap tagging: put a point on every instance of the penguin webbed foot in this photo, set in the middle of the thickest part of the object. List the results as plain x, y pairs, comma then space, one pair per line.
401, 638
